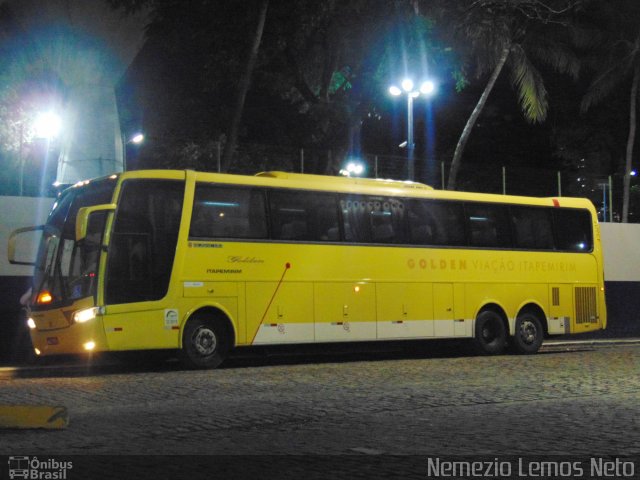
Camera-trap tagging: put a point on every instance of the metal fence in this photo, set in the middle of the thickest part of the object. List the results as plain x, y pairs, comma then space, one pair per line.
605, 191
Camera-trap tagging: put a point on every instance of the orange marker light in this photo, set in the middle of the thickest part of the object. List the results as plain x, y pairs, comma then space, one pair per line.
44, 297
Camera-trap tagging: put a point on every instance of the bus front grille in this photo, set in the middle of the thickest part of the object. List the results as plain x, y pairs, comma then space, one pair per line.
586, 311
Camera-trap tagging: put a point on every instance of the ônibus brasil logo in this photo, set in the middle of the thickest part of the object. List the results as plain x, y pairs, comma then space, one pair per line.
32, 468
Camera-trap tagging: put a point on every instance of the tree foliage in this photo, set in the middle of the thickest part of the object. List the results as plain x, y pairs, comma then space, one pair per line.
615, 60
513, 34
324, 63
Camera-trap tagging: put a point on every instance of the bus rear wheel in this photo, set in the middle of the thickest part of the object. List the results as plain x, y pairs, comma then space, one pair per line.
528, 335
205, 343
491, 334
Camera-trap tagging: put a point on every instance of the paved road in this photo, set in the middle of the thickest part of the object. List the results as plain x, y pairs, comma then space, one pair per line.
582, 401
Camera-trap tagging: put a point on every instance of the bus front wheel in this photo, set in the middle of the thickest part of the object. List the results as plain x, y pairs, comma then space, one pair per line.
528, 335
205, 343
490, 334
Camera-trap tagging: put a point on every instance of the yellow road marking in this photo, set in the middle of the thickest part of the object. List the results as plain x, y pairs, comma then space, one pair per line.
33, 416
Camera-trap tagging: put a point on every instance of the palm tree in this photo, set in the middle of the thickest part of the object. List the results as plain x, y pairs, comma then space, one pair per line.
507, 33
617, 60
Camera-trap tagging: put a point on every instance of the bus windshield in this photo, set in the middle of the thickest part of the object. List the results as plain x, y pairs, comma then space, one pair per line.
67, 270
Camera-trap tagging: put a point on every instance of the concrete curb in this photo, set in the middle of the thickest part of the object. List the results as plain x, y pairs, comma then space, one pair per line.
593, 342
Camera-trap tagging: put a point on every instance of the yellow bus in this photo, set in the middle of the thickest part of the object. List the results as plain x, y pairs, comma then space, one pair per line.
203, 263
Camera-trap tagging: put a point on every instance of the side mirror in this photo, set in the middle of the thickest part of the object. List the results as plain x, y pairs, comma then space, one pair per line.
27, 247
82, 218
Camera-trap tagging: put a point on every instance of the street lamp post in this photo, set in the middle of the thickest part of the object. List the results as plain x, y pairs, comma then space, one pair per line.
426, 88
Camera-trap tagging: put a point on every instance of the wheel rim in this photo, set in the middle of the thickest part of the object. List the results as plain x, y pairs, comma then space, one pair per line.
204, 341
528, 332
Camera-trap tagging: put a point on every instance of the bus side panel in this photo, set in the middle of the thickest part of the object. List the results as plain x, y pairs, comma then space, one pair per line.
443, 305
560, 309
147, 328
279, 313
227, 297
585, 301
345, 311
404, 310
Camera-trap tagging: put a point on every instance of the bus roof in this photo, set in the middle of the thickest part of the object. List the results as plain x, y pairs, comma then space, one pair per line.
330, 181
358, 185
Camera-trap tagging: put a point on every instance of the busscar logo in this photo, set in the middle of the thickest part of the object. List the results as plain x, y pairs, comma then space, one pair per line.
33, 468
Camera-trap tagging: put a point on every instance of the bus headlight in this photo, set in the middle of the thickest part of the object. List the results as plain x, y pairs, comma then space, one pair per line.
31, 323
89, 346
82, 316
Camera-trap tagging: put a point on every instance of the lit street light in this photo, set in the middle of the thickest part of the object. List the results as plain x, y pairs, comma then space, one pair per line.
427, 88
354, 167
136, 139
47, 125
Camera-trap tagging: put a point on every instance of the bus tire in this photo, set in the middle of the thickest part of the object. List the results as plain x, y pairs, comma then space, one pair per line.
205, 343
490, 333
528, 335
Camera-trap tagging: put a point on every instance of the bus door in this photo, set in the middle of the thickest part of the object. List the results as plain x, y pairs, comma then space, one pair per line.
140, 258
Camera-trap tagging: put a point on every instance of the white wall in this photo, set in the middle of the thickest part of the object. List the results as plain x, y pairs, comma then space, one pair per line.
621, 250
17, 212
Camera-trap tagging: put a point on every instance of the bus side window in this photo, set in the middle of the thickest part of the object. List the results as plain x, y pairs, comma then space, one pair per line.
448, 223
387, 221
303, 215
373, 219
398, 219
532, 228
289, 215
326, 218
573, 230
356, 220
349, 234
381, 226
422, 223
488, 225
224, 212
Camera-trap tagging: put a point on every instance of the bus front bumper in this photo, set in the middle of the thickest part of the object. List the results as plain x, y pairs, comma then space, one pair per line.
77, 338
